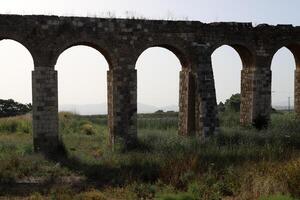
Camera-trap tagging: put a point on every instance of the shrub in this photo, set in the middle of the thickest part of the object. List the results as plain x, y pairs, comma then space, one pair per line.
10, 108
36, 196
290, 173
144, 191
21, 124
233, 103
88, 129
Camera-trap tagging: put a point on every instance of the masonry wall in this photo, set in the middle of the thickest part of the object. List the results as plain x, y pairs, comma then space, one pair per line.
122, 41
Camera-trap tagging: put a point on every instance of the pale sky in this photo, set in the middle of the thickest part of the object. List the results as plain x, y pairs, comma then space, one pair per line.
158, 69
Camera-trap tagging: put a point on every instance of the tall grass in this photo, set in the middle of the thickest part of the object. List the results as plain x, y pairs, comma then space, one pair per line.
239, 162
20, 124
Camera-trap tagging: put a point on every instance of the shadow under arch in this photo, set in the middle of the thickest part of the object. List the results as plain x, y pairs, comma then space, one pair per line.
294, 49
246, 92
186, 115
245, 55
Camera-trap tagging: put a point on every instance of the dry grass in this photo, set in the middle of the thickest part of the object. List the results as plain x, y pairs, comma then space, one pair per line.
237, 164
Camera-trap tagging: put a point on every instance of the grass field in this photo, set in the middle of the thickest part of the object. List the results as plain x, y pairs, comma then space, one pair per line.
238, 163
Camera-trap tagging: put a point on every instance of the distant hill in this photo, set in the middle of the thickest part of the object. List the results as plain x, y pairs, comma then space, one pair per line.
278, 107
96, 109
283, 105
87, 109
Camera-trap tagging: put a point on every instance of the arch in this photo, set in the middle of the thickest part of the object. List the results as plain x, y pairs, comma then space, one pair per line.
23, 44
245, 90
155, 56
102, 50
93, 74
283, 95
245, 53
294, 49
229, 73
179, 53
23, 49
186, 97
88, 79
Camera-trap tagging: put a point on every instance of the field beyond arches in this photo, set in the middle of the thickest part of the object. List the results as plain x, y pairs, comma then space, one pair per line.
239, 162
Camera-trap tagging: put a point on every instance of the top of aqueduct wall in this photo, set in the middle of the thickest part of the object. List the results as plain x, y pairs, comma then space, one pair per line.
46, 37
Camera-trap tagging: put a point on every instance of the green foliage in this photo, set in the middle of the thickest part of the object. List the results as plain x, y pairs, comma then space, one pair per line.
88, 129
144, 191
290, 173
233, 103
21, 124
158, 121
238, 162
229, 119
229, 112
9, 108
159, 112
18, 164
221, 107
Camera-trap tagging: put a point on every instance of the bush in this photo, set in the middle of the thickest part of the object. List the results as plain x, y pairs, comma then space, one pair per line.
233, 103
88, 129
21, 124
290, 173
10, 108
238, 162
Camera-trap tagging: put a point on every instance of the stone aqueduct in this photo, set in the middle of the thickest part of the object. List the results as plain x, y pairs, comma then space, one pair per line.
121, 41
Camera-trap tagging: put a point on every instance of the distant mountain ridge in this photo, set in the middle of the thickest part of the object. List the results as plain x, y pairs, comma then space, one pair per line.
96, 109
101, 109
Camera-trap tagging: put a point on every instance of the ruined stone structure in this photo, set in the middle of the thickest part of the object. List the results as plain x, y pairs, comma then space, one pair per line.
122, 41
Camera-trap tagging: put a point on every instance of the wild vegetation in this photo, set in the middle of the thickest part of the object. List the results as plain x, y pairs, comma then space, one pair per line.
9, 108
238, 163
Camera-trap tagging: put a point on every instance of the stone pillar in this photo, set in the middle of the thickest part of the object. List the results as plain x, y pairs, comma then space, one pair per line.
206, 105
297, 92
261, 108
45, 110
247, 92
122, 107
186, 118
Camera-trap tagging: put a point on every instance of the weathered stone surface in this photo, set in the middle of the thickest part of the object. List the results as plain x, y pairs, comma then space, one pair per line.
122, 41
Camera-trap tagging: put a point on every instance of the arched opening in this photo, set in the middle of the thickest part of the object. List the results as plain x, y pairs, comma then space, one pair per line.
227, 62
227, 65
82, 99
15, 84
283, 82
158, 74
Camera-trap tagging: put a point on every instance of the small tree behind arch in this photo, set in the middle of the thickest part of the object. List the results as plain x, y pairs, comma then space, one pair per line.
10, 108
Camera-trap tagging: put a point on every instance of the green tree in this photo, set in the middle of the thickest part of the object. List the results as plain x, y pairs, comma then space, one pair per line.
221, 107
159, 112
9, 108
233, 103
